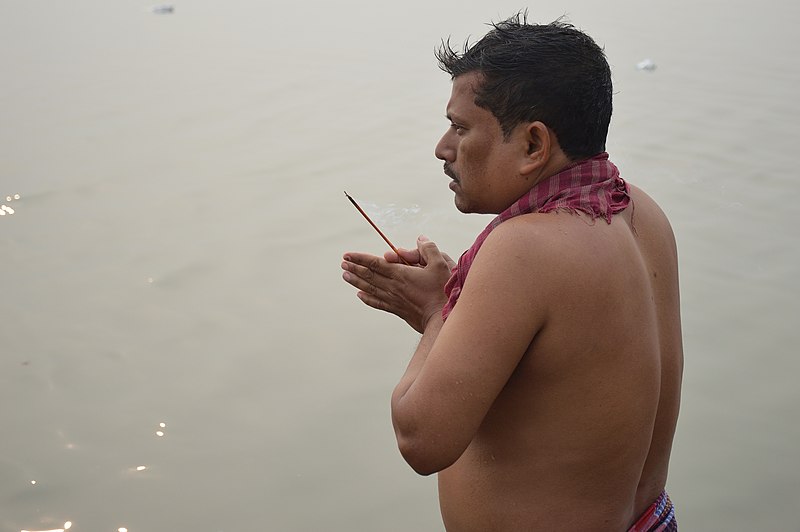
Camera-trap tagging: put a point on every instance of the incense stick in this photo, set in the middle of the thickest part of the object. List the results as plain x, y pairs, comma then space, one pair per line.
376, 228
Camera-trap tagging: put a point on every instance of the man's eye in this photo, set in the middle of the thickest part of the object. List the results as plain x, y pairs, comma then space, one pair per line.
458, 129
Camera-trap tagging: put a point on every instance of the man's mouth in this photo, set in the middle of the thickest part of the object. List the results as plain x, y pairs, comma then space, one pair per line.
449, 172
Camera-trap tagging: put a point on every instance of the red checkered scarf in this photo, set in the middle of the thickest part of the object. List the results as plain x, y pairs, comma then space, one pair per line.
592, 186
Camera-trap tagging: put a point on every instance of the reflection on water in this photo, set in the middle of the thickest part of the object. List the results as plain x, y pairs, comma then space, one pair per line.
131, 471
66, 526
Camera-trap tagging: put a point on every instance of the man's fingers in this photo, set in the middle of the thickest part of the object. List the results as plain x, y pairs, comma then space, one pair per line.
368, 293
411, 256
369, 280
429, 251
370, 262
372, 301
359, 282
371, 272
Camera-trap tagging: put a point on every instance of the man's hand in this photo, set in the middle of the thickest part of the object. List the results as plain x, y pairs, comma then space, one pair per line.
414, 293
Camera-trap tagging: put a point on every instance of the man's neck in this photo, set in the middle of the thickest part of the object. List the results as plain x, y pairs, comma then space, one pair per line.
557, 161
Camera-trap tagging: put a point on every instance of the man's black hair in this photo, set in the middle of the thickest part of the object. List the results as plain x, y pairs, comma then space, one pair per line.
552, 73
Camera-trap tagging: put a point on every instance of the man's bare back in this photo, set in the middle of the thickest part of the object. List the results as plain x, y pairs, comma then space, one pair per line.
587, 418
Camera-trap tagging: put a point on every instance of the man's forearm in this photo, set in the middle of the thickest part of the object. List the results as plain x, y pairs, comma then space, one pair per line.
424, 347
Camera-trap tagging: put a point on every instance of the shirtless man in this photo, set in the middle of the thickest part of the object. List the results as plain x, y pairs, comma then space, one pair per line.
546, 385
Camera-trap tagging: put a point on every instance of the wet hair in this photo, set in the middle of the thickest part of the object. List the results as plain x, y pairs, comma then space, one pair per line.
552, 73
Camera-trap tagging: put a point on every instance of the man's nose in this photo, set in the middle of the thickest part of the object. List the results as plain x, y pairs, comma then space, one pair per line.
444, 150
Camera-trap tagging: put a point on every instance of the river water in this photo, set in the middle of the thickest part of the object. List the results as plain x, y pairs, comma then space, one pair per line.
178, 349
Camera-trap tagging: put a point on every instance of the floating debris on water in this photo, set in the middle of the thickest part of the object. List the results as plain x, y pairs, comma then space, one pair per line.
164, 9
5, 209
646, 64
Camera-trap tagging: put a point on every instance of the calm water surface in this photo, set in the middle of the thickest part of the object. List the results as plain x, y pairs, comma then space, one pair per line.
178, 350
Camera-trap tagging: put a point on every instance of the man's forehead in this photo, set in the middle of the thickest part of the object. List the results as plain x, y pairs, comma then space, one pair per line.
467, 84
463, 91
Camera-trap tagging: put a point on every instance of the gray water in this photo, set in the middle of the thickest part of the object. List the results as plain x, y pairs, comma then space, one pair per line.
178, 350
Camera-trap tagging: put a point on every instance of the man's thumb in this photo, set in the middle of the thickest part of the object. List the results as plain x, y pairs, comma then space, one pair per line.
427, 249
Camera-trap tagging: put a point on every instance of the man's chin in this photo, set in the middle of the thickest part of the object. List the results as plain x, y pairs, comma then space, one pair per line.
462, 205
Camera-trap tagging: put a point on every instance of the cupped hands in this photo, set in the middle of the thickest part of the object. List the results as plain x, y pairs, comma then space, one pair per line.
413, 292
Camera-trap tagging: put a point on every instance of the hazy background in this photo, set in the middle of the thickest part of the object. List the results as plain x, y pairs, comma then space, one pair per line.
173, 256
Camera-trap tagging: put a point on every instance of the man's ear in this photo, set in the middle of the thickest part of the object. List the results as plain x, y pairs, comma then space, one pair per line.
540, 145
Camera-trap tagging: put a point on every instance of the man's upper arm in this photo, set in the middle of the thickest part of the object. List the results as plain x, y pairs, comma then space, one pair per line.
501, 308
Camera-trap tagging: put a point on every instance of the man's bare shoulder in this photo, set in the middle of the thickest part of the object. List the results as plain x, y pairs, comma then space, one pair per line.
650, 222
549, 244
520, 250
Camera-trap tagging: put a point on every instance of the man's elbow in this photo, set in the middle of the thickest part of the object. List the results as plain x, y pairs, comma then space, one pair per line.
424, 459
